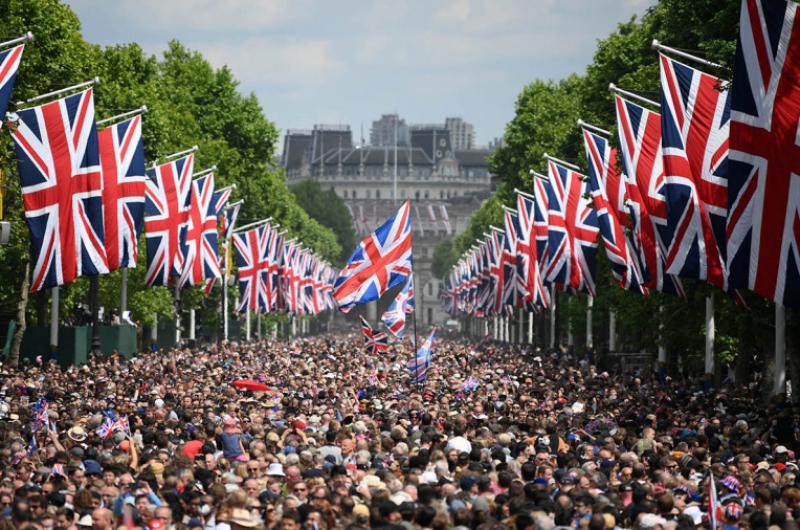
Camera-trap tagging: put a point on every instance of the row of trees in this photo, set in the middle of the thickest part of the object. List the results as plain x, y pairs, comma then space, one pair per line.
545, 121
189, 103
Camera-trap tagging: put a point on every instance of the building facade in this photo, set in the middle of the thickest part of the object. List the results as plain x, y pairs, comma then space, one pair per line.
445, 186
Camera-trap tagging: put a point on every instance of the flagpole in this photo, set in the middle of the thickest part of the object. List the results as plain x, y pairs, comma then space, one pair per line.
179, 154
416, 357
225, 291
656, 45
54, 322
177, 313
123, 291
253, 224
779, 387
614, 88
206, 172
60, 91
28, 37
94, 305
134, 112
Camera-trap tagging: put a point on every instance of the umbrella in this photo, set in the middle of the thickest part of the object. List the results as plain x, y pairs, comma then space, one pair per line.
249, 384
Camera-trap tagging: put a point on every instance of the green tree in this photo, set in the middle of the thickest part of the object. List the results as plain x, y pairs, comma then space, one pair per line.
329, 210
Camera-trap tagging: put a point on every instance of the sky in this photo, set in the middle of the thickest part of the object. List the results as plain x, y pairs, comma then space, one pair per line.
348, 62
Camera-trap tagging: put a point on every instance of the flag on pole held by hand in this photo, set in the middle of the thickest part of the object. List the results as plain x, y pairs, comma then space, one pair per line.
381, 261
376, 341
395, 316
419, 364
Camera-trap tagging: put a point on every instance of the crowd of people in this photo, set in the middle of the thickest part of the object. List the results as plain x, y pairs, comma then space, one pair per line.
329, 436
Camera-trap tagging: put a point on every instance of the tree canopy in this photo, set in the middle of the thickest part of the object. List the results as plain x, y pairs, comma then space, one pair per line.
189, 103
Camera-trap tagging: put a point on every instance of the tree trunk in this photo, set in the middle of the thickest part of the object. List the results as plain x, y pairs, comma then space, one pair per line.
22, 306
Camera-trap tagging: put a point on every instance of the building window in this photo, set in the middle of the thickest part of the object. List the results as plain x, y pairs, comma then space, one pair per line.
430, 289
369, 194
430, 315
355, 194
416, 195
377, 194
344, 194
426, 194
441, 194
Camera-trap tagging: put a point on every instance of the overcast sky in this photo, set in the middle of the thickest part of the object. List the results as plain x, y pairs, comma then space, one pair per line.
323, 61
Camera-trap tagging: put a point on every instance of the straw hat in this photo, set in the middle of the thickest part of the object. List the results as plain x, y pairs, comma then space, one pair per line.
77, 433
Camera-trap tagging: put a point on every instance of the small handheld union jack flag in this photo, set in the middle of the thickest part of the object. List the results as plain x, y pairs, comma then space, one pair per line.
395, 316
419, 364
381, 261
376, 342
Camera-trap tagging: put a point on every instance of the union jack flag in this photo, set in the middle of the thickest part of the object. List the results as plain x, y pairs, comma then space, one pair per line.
764, 174
513, 289
251, 259
695, 124
572, 225
381, 261
106, 428
200, 243
640, 146
603, 175
124, 181
494, 302
540, 227
376, 341
9, 64
40, 414
287, 276
418, 365
395, 316
276, 249
219, 202
527, 259
59, 166
470, 385
167, 199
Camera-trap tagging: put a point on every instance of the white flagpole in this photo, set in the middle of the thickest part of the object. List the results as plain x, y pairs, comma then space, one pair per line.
589, 335
614, 88
656, 45
780, 350
135, 112
662, 350
123, 292
95, 81
225, 291
552, 316
247, 324
191, 325
530, 327
710, 333
561, 162
612, 331
54, 321
28, 37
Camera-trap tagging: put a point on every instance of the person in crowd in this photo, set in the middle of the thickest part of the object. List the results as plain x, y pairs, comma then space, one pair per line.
318, 434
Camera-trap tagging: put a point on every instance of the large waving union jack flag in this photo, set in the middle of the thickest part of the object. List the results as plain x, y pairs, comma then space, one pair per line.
376, 341
605, 179
219, 203
573, 231
59, 166
695, 119
640, 146
494, 301
527, 260
9, 64
167, 198
124, 181
381, 261
764, 169
395, 315
200, 242
251, 259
